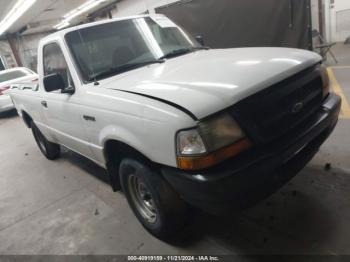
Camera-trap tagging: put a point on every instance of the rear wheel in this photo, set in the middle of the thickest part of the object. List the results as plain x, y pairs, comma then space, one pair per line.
156, 205
50, 150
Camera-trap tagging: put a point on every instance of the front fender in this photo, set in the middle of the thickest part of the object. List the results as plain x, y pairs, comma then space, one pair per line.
123, 135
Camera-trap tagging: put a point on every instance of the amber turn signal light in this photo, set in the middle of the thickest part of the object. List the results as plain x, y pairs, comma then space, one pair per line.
201, 162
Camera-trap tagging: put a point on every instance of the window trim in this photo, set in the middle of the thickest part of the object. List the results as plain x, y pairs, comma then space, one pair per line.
74, 61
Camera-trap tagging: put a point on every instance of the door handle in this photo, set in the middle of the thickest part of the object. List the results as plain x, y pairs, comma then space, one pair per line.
44, 103
89, 118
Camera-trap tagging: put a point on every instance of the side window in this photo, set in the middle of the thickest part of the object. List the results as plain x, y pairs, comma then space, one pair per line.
54, 62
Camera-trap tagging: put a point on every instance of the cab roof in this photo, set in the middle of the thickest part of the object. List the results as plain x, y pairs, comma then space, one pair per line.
63, 32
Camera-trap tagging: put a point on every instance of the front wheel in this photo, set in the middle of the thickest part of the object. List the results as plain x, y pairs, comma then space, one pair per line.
50, 150
156, 205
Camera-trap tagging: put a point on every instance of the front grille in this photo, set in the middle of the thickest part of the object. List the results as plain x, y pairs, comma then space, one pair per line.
278, 109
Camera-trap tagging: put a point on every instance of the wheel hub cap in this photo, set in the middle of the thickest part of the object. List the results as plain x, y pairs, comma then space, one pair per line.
142, 198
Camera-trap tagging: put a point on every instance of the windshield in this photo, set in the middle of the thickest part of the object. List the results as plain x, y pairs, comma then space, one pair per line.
99, 51
7, 76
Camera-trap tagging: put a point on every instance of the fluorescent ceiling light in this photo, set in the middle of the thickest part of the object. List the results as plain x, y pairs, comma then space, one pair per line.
16, 12
62, 25
88, 5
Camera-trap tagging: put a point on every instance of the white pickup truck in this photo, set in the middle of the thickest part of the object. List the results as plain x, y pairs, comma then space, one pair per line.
174, 122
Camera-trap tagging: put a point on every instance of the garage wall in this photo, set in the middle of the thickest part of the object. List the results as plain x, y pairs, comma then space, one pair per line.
6, 55
242, 23
339, 20
129, 7
28, 49
315, 15
153, 4
135, 7
26, 46
267, 31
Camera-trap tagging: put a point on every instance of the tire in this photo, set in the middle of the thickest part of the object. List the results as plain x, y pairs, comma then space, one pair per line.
160, 209
50, 150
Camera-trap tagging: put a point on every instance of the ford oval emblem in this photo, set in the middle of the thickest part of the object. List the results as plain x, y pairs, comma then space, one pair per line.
297, 107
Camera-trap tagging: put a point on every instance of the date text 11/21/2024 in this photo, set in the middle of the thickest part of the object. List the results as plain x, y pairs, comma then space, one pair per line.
173, 258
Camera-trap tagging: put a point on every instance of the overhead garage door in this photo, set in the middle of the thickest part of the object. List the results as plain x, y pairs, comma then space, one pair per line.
237, 23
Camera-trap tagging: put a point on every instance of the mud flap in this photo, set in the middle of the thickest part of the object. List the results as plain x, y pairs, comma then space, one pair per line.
112, 172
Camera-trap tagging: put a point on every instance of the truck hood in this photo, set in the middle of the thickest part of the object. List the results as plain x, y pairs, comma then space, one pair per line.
208, 81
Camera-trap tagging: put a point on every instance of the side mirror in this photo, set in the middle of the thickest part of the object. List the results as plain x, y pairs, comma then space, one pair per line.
200, 39
55, 82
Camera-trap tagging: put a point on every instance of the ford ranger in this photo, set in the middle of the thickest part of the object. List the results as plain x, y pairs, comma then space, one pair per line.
174, 123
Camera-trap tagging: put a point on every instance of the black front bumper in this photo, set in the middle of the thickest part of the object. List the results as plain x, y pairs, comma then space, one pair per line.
244, 180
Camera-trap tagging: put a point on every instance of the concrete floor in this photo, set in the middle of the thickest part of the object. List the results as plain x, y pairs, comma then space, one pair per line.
67, 207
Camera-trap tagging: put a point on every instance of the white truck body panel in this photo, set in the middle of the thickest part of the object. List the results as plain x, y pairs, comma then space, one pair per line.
220, 78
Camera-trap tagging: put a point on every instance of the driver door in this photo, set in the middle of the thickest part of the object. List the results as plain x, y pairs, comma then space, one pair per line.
63, 112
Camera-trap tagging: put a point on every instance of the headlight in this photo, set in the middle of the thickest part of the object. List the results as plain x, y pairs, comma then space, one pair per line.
213, 141
325, 81
220, 131
190, 143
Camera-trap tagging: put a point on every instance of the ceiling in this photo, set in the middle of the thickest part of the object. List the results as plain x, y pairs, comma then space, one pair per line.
44, 14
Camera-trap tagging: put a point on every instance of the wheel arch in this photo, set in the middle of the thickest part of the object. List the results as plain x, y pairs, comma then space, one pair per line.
114, 152
26, 118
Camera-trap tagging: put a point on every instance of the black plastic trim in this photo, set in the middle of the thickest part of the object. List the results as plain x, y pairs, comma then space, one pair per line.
245, 114
241, 181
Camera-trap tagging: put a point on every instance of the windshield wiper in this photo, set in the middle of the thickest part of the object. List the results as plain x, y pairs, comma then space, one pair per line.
183, 51
123, 68
202, 47
177, 52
